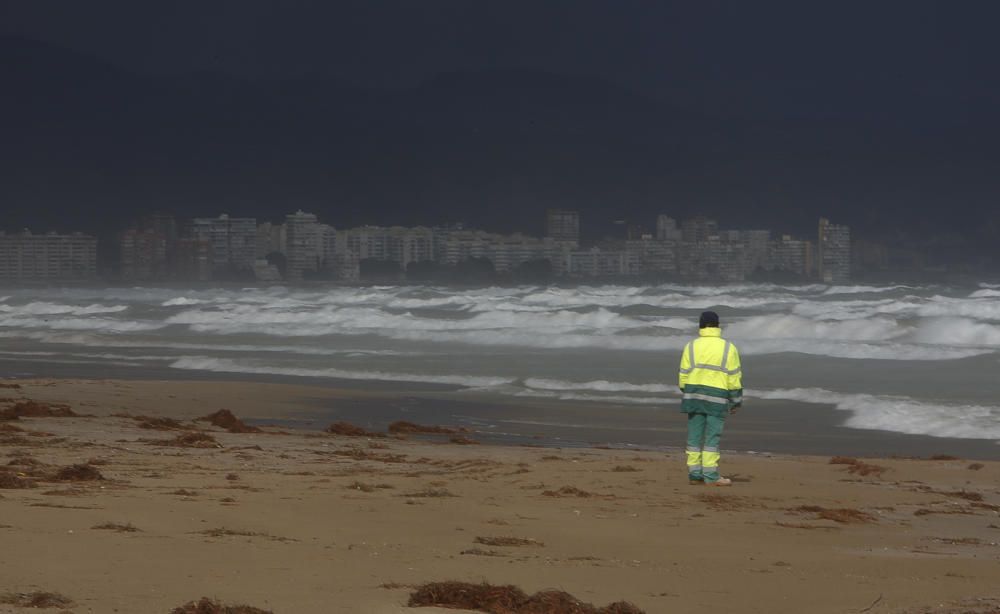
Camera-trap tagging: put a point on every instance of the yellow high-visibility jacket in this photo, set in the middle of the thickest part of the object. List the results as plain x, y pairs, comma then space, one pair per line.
711, 377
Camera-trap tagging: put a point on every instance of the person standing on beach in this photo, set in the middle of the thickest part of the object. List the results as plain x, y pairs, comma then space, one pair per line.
712, 388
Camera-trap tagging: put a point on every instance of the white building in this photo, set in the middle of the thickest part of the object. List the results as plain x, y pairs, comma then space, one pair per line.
791, 255
712, 260
270, 239
395, 243
595, 262
698, 229
506, 252
303, 245
232, 241
27, 256
652, 255
833, 256
563, 225
667, 229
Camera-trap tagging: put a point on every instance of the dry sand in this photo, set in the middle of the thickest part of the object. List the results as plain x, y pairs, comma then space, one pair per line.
299, 522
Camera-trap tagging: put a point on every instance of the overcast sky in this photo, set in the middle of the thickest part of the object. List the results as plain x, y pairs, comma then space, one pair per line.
911, 79
946, 49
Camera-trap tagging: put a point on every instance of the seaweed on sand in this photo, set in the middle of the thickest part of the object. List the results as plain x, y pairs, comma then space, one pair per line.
37, 599
403, 427
154, 423
350, 430
842, 515
36, 409
11, 480
568, 491
116, 526
187, 440
209, 606
508, 541
858, 467
507, 599
226, 420
78, 473
362, 455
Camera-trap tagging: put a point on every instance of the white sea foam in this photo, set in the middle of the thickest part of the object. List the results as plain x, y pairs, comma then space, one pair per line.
861, 289
85, 362
859, 351
608, 398
591, 398
985, 293
78, 323
949, 331
116, 341
760, 336
16, 353
954, 307
184, 301
899, 414
223, 365
872, 412
546, 339
597, 385
795, 327
982, 307
855, 309
380, 333
360, 320
554, 300
41, 308
75, 356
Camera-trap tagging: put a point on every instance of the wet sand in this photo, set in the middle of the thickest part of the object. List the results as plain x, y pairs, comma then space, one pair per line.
297, 521
782, 427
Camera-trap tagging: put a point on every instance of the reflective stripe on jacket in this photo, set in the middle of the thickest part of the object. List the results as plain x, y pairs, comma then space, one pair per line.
710, 376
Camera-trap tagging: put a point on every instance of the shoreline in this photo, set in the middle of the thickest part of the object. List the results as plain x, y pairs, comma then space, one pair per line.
308, 522
774, 427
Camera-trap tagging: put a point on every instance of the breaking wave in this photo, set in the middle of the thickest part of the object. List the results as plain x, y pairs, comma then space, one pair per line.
861, 289
947, 331
868, 411
536, 341
598, 386
899, 414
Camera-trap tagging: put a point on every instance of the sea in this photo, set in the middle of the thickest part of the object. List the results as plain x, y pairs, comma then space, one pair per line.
906, 359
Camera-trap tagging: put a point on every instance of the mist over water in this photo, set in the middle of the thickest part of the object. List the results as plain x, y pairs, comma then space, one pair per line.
910, 359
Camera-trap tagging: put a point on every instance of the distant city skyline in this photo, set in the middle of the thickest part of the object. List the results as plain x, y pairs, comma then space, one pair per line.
882, 117
159, 248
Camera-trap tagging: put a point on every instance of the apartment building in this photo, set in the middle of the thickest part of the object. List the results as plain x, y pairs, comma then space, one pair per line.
26, 256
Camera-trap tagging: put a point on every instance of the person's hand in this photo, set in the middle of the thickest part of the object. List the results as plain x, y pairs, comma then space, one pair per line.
734, 409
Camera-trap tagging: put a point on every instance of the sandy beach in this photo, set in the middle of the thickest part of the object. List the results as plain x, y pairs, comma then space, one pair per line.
120, 512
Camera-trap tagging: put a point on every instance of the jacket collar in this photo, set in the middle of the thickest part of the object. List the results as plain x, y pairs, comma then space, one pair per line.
711, 331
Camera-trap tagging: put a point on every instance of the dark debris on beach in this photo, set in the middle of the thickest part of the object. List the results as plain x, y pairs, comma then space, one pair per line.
507, 599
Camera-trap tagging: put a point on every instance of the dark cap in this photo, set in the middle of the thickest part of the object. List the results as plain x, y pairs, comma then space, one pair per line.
708, 319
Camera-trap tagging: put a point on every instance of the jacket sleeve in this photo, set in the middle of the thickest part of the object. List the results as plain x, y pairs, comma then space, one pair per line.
734, 377
685, 367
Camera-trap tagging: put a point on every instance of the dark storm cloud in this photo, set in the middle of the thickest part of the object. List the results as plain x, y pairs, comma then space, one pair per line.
759, 112
737, 58
649, 44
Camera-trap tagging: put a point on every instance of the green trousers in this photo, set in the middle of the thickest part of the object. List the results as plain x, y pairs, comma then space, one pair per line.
704, 432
